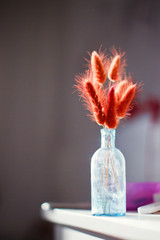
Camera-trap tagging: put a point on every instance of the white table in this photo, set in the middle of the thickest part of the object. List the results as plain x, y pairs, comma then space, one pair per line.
73, 224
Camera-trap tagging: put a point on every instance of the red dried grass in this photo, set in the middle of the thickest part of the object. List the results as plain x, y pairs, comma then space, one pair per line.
114, 69
107, 104
80, 87
97, 106
111, 112
125, 101
99, 72
94, 97
120, 89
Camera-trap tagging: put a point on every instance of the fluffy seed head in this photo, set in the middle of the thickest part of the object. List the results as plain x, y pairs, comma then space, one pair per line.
111, 117
114, 68
125, 101
96, 104
99, 73
120, 89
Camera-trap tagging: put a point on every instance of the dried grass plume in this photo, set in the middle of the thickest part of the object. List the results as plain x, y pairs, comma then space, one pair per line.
107, 101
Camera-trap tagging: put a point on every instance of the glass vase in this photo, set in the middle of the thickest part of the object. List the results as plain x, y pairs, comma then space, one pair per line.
108, 178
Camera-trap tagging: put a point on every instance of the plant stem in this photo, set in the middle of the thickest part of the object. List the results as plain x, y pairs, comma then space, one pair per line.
114, 173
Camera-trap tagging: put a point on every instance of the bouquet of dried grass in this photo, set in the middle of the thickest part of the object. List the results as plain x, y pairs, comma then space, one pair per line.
107, 103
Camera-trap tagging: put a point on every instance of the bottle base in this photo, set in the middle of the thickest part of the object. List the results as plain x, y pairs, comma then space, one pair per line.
110, 215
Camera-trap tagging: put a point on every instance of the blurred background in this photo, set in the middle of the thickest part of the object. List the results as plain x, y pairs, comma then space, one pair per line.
46, 139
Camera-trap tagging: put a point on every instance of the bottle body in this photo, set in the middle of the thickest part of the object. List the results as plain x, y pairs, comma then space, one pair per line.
108, 178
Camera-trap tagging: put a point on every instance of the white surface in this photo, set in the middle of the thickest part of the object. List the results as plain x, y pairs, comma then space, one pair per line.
130, 227
149, 208
66, 233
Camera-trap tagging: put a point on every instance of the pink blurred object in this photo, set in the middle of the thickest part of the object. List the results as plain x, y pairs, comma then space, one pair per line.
141, 193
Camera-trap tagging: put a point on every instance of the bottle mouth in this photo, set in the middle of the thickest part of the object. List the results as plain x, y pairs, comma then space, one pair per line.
108, 138
107, 131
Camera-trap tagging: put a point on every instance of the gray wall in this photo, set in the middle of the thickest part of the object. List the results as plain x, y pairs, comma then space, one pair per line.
46, 140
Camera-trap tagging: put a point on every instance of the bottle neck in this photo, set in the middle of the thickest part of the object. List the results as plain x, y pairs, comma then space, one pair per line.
107, 138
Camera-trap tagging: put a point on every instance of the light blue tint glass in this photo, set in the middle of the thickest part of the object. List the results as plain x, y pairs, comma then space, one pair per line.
108, 178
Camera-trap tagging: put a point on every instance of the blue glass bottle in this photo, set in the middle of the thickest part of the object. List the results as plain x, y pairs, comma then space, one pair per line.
108, 178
